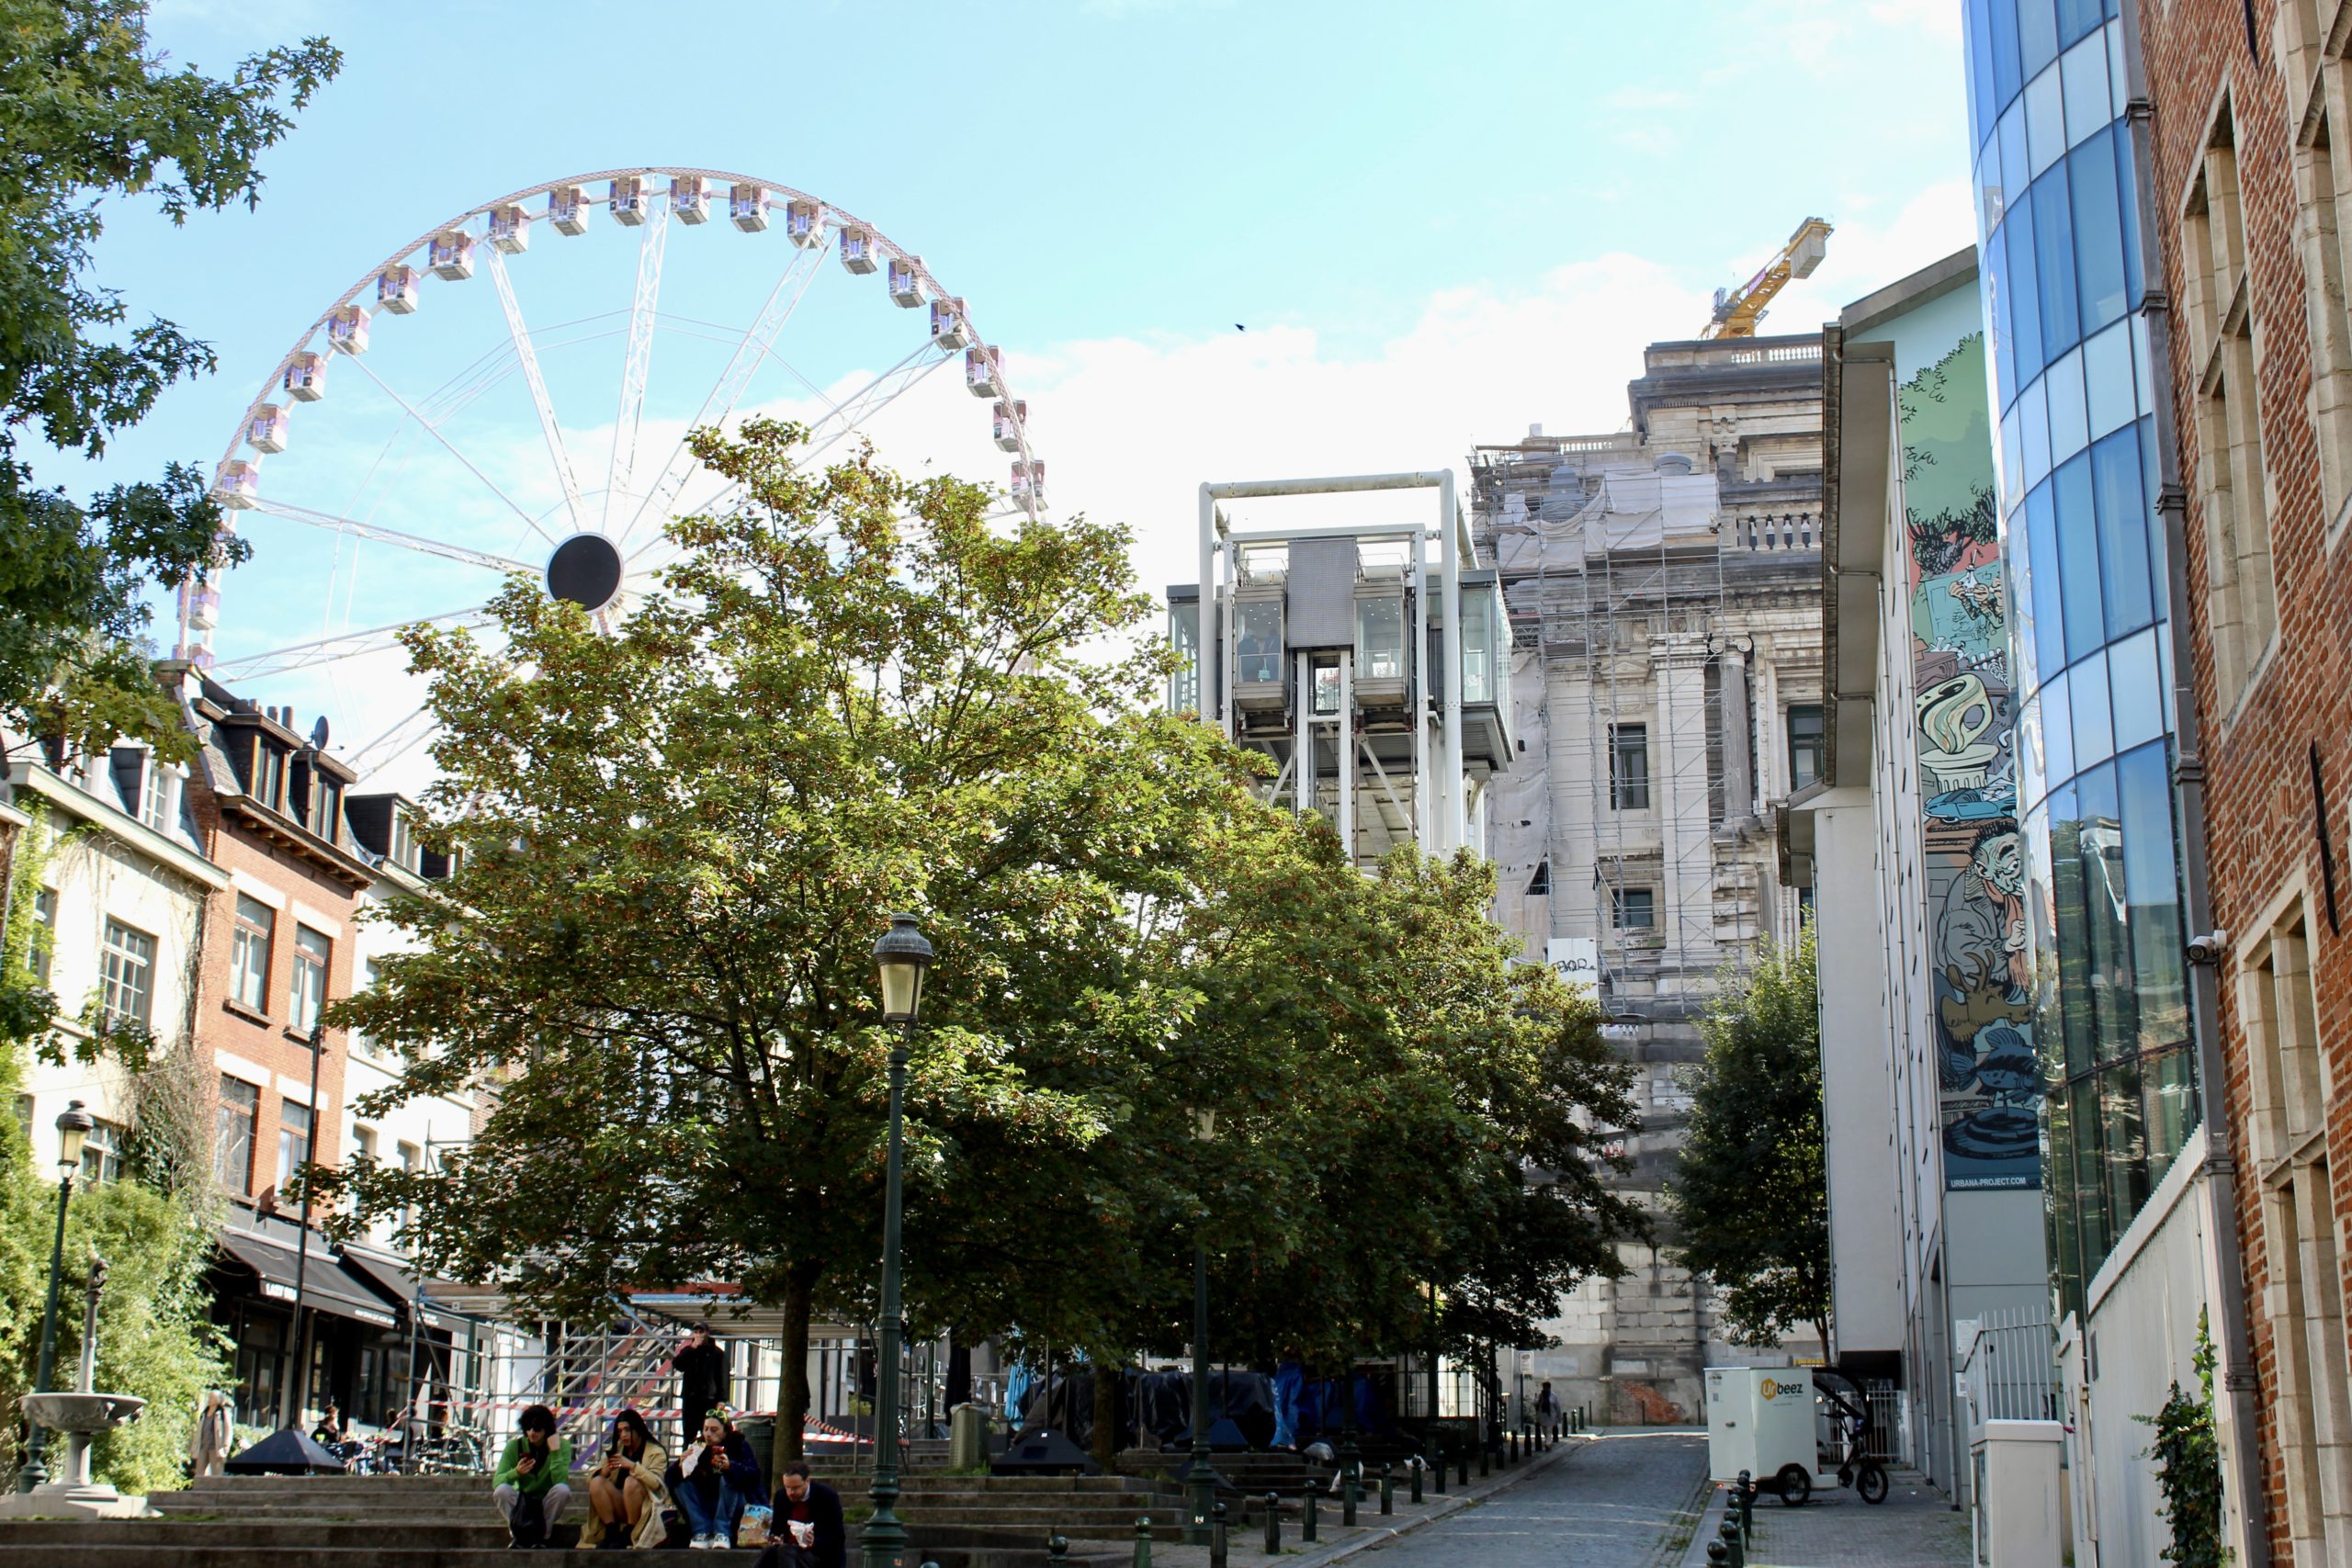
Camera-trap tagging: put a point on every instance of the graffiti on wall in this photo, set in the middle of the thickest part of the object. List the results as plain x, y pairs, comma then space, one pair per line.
1989, 1080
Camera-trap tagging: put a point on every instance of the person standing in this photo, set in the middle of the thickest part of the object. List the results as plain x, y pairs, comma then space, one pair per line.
1547, 1411
808, 1528
532, 1484
701, 1366
208, 1445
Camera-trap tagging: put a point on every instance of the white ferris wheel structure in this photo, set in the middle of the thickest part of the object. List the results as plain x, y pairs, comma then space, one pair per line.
443, 462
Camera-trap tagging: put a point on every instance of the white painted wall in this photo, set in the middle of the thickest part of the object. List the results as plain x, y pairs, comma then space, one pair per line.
427, 1124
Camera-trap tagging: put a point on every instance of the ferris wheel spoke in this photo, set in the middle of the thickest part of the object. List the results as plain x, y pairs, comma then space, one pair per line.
852, 413
347, 644
640, 361
333, 524
528, 356
467, 463
396, 742
728, 389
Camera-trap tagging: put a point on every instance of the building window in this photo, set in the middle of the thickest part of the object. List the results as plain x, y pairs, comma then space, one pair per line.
412, 1161
2289, 1088
2241, 602
293, 1140
1805, 746
1633, 909
2319, 188
44, 935
1629, 767
249, 953
268, 773
102, 1151
363, 1142
405, 845
307, 993
326, 805
233, 1135
129, 972
155, 794
1539, 885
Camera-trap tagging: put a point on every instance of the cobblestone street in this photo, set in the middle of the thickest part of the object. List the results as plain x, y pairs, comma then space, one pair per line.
1915, 1528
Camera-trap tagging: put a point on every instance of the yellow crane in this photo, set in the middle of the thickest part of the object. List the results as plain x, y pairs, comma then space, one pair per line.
1738, 310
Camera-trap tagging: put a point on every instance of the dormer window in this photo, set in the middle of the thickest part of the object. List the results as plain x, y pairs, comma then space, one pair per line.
268, 777
406, 852
326, 805
148, 788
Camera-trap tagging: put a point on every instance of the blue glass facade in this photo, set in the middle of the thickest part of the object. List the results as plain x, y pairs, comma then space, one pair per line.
2058, 229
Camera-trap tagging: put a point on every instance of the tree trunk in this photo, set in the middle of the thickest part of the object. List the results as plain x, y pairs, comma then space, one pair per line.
959, 1373
792, 1402
1110, 1381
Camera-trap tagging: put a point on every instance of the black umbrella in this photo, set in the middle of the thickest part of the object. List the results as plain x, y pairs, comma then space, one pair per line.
286, 1452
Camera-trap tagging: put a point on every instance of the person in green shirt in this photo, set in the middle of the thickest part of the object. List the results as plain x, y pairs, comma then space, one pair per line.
533, 1483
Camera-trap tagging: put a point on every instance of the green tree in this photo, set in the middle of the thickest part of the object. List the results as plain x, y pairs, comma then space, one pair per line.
89, 111
1749, 1197
154, 1227
855, 694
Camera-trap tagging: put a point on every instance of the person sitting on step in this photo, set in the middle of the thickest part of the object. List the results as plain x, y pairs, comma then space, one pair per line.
714, 1480
809, 1532
532, 1484
626, 1493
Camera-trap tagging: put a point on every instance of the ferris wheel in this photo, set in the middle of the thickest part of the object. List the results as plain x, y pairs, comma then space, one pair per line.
434, 432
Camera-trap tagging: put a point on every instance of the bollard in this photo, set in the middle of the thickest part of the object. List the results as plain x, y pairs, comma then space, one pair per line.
1143, 1541
1388, 1491
1350, 1487
1416, 1473
1743, 1505
1057, 1549
1462, 1468
1514, 1447
1273, 1524
1733, 1549
1485, 1459
1716, 1556
1307, 1522
1437, 1452
1217, 1537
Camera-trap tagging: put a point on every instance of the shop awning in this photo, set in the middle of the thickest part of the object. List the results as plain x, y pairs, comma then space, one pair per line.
326, 1285
392, 1280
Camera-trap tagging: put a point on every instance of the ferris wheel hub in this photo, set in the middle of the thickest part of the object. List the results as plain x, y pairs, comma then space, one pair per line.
586, 571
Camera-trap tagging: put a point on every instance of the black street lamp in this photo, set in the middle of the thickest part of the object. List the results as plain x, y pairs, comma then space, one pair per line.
900, 957
1200, 1479
73, 1126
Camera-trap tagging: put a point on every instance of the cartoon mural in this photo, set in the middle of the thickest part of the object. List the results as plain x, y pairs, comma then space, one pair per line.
1990, 1081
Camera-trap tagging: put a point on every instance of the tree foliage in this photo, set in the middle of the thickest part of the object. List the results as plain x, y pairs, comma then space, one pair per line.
855, 694
1749, 1196
88, 110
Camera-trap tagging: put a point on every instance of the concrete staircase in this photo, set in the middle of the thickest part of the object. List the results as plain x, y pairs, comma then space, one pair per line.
448, 1522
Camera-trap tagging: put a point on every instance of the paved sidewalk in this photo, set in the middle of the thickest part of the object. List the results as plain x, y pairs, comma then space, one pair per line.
1915, 1528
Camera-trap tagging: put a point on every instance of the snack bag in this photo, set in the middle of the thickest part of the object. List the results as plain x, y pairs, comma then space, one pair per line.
754, 1530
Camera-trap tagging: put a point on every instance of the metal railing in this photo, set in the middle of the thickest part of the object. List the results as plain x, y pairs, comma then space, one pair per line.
2008, 1366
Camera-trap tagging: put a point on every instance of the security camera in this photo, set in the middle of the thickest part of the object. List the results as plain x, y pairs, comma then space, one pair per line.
2207, 949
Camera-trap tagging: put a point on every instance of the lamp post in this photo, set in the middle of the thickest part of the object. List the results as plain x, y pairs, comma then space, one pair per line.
899, 958
295, 1382
73, 1126
1200, 1479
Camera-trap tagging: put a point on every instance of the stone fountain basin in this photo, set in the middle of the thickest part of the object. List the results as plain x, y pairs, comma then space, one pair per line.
82, 1412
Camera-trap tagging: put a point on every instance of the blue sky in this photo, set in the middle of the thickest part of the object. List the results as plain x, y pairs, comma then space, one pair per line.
1438, 223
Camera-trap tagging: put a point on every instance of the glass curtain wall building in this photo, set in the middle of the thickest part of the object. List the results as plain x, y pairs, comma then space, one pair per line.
2101, 925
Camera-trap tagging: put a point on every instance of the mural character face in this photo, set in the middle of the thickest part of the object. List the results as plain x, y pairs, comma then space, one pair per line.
1999, 861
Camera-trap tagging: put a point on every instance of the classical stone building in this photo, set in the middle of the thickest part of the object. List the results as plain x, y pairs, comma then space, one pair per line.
1664, 590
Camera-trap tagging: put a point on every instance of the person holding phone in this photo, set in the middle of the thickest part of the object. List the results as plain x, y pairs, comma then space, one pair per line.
714, 1480
625, 1492
532, 1484
808, 1528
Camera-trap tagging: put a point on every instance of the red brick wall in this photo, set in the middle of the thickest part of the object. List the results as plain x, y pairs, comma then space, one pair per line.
223, 1025
2259, 819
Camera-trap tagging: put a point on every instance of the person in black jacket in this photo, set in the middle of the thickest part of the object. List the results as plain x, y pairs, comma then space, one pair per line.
701, 1366
807, 1531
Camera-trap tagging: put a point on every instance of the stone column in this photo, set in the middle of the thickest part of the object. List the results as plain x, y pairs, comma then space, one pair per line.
1739, 735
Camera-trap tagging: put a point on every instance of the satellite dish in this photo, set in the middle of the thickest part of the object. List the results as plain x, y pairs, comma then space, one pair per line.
319, 734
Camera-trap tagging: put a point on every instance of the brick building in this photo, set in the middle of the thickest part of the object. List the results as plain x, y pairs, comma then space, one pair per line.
2244, 188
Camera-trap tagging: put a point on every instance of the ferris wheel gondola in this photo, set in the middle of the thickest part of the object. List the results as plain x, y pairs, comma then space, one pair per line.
479, 478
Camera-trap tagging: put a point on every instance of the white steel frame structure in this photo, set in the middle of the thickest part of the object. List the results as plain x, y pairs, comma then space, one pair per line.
1437, 800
